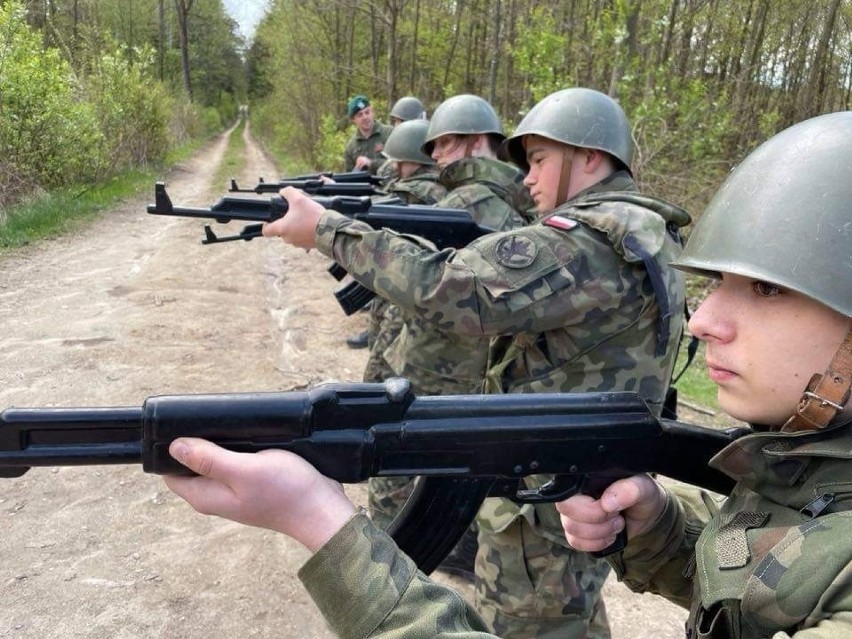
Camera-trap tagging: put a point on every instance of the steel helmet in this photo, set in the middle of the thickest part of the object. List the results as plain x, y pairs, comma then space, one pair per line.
405, 142
785, 215
408, 108
462, 115
580, 117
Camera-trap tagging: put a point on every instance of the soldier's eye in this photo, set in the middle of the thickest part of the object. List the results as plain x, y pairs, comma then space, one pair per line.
765, 289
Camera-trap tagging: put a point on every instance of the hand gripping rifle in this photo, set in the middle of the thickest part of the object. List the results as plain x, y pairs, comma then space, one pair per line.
463, 447
444, 227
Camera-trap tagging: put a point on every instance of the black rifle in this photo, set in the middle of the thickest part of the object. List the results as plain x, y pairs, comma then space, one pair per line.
444, 227
349, 176
464, 447
312, 187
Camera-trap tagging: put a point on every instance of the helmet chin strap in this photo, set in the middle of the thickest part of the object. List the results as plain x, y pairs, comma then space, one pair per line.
826, 394
565, 175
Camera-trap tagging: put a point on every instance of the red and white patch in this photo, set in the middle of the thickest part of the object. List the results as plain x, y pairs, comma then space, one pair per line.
559, 222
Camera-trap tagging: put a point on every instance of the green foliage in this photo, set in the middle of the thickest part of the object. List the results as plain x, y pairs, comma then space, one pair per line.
330, 144
48, 136
133, 109
538, 54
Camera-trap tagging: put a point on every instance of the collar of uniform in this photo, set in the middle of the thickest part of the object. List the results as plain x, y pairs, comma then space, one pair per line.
376, 128
476, 169
617, 181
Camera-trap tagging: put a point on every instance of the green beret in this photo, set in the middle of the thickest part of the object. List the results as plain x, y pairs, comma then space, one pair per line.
356, 104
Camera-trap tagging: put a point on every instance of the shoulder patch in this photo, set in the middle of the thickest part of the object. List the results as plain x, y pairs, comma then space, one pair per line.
514, 251
559, 222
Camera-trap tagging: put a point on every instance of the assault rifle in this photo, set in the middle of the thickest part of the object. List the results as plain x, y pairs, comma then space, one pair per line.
444, 227
463, 447
348, 176
312, 187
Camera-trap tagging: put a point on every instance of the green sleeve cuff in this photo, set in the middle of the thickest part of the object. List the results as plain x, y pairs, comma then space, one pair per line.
327, 228
655, 560
357, 578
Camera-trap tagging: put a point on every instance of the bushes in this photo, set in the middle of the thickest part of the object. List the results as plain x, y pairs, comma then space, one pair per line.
133, 111
60, 126
48, 135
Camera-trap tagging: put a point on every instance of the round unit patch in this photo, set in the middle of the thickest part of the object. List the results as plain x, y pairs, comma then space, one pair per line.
515, 251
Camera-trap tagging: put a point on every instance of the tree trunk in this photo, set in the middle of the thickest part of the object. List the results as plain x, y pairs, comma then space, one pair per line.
182, 8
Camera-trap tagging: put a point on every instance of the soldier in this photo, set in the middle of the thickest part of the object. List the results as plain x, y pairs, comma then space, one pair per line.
363, 152
404, 110
417, 183
407, 109
463, 138
363, 148
583, 300
774, 560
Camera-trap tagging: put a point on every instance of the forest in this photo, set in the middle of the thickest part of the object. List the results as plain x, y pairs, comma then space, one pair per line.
92, 87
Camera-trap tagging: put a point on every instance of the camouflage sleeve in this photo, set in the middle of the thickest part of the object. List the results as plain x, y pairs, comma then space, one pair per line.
365, 587
530, 279
655, 561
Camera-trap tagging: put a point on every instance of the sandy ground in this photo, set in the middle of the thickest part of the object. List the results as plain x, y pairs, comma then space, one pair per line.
131, 306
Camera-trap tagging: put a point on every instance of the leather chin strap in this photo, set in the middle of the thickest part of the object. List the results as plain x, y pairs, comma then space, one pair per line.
826, 394
565, 176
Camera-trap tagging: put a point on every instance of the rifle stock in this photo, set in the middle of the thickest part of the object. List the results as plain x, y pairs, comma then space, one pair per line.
466, 447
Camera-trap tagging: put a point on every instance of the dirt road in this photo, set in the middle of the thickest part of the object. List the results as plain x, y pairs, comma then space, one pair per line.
131, 306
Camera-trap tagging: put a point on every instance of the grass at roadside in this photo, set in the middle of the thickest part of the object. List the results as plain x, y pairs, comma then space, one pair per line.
694, 386
234, 159
61, 211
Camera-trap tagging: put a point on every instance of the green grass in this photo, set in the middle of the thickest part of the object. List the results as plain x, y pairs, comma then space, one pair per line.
64, 210
234, 159
694, 386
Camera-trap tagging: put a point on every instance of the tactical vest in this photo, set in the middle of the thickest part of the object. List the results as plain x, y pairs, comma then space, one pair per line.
776, 554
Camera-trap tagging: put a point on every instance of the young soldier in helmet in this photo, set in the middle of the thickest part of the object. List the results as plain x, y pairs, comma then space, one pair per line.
774, 559
463, 137
416, 183
582, 300
404, 110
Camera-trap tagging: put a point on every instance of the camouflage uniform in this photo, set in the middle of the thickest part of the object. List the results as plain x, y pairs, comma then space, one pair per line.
387, 494
763, 568
576, 298
776, 559
370, 146
388, 172
438, 362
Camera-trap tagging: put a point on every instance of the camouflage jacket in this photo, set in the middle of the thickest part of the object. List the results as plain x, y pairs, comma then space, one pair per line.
421, 187
370, 146
584, 299
388, 172
366, 587
437, 361
776, 559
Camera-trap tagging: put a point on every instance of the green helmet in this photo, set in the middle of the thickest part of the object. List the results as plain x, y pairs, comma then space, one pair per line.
784, 215
462, 115
405, 142
408, 108
579, 117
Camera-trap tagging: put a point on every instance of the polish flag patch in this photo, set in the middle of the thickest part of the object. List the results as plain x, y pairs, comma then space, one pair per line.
559, 222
